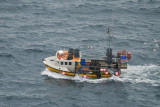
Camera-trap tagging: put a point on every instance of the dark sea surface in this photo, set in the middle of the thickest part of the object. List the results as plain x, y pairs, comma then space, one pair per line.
31, 30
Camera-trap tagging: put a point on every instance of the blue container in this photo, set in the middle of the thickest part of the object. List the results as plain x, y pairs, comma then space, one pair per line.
123, 57
82, 62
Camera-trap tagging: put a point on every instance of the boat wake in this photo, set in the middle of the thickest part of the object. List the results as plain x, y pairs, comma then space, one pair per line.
149, 74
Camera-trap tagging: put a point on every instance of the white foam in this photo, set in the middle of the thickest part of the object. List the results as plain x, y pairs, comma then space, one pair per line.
134, 74
156, 45
155, 40
154, 50
142, 74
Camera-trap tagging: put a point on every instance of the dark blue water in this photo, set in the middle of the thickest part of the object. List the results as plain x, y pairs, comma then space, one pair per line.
31, 30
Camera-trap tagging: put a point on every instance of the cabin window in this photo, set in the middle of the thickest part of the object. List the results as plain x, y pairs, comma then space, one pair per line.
65, 63
61, 63
70, 63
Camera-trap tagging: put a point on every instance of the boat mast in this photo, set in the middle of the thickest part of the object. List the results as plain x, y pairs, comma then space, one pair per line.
108, 32
109, 50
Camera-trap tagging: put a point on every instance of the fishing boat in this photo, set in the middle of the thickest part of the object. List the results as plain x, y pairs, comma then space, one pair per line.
70, 62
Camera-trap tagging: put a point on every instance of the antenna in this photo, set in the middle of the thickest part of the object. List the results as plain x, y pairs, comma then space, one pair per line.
108, 32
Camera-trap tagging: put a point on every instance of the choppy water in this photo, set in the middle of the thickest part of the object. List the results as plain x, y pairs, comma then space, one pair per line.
31, 30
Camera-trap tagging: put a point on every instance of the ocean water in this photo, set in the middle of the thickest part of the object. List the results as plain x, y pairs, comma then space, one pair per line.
31, 30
